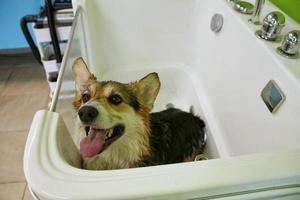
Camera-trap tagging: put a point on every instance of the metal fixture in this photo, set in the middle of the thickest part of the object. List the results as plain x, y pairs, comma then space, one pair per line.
272, 96
205, 139
271, 27
23, 22
290, 45
243, 7
256, 12
216, 23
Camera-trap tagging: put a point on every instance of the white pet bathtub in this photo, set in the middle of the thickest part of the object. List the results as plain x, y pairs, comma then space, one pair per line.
253, 153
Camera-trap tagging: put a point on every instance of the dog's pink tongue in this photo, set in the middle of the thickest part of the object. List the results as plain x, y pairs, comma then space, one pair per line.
92, 144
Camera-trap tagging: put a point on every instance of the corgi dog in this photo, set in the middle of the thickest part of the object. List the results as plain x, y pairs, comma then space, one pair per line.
119, 130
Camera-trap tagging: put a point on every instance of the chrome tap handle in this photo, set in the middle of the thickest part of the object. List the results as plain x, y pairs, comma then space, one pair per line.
272, 26
290, 44
256, 12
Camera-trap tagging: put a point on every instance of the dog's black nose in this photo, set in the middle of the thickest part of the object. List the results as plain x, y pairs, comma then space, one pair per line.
87, 114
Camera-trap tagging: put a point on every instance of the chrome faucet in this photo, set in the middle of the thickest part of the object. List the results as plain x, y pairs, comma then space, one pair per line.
271, 27
290, 45
256, 12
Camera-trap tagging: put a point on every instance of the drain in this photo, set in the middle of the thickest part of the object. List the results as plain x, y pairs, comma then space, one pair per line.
216, 23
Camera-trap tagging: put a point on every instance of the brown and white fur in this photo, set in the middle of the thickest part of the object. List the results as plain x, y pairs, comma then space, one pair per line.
146, 138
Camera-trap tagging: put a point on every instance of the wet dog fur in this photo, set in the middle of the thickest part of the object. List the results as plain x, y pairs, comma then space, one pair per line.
143, 138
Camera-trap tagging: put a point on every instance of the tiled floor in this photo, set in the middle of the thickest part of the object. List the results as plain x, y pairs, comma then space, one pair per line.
23, 91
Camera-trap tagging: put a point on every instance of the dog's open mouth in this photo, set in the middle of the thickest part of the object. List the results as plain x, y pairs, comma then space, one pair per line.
97, 140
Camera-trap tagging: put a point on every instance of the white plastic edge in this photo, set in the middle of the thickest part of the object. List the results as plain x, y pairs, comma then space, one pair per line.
50, 177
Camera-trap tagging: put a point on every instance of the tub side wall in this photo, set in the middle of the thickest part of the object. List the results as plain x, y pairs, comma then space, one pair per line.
151, 32
233, 67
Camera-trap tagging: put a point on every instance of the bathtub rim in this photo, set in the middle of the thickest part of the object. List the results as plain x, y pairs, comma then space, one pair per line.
53, 178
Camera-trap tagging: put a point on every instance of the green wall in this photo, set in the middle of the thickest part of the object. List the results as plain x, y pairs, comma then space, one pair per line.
290, 7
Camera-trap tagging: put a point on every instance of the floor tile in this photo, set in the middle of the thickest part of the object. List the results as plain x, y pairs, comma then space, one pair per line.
26, 80
7, 60
26, 60
34, 64
12, 145
27, 195
12, 191
17, 111
5, 72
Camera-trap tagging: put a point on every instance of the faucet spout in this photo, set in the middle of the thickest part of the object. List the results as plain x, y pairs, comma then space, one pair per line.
256, 12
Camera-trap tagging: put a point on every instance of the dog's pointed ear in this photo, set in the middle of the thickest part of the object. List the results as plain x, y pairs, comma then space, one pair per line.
81, 74
148, 88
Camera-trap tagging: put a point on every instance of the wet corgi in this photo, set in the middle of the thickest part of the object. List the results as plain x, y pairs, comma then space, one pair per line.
119, 130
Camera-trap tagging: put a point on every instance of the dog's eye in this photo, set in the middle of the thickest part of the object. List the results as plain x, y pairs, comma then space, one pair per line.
115, 99
85, 98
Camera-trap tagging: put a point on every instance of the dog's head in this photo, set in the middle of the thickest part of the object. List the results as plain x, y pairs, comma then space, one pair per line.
114, 115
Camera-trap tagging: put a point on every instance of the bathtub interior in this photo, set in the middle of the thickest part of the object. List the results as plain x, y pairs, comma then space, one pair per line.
178, 89
178, 84
196, 67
